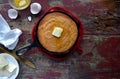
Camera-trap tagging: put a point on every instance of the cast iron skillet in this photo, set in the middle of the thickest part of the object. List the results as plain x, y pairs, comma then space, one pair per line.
53, 55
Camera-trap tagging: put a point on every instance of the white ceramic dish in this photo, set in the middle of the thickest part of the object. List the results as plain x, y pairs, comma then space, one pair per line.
13, 60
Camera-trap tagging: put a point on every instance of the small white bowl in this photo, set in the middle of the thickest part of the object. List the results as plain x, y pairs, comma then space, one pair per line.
35, 8
12, 13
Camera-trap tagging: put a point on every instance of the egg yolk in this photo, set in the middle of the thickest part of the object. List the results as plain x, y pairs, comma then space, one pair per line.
21, 3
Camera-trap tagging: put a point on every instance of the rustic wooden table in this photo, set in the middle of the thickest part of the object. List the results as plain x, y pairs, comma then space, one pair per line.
100, 58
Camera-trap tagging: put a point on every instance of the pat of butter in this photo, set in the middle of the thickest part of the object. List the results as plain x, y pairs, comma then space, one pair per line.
57, 31
11, 67
22, 3
3, 62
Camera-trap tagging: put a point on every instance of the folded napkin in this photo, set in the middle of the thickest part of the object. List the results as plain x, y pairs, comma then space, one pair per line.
9, 38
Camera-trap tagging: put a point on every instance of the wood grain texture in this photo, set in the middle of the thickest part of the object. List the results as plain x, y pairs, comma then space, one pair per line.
101, 42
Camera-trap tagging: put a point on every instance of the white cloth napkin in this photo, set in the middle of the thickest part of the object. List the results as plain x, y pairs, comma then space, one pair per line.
9, 38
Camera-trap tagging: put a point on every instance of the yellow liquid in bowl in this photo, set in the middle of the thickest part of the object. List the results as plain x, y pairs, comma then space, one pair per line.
21, 3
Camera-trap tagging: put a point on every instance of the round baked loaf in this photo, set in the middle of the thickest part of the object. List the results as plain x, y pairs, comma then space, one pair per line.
67, 38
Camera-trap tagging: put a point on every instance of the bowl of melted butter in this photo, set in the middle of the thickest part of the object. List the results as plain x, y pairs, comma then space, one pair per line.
19, 4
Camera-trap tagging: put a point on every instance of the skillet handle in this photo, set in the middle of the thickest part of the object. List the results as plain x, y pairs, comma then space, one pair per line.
24, 50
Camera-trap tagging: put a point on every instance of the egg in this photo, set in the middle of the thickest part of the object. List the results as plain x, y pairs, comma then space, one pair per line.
35, 8
12, 13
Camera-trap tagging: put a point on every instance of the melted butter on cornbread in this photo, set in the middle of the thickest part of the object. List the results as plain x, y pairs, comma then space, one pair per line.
57, 31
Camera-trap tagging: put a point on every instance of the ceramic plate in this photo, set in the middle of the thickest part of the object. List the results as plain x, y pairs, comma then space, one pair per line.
10, 58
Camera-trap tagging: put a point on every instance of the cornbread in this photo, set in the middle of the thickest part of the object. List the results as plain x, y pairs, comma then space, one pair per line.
65, 40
